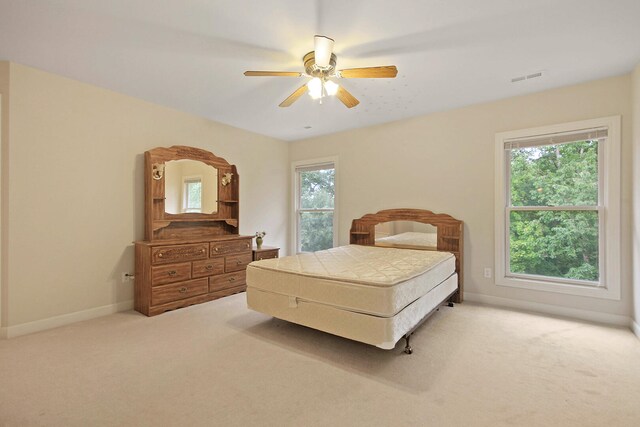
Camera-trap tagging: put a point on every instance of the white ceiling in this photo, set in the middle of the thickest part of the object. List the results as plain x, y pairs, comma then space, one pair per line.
190, 54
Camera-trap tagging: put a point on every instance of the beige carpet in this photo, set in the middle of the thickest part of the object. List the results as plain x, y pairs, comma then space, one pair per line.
219, 364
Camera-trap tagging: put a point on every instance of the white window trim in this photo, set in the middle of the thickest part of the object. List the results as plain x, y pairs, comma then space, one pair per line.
610, 176
295, 193
185, 179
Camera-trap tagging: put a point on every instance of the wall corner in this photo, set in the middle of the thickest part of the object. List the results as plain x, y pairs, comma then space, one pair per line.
635, 197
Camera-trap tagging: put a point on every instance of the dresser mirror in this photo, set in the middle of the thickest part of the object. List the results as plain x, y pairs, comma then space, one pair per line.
190, 186
190, 193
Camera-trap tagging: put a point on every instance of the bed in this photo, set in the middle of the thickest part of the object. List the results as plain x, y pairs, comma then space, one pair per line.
364, 291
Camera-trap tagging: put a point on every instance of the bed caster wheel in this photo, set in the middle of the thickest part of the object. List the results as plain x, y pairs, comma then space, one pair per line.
407, 348
450, 304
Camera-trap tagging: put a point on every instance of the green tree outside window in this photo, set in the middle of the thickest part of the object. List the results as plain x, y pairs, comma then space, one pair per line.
317, 194
559, 242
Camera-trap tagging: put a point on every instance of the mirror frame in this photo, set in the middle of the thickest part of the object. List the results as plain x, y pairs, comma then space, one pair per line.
160, 225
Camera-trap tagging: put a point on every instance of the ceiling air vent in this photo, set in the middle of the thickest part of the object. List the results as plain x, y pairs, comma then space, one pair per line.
526, 77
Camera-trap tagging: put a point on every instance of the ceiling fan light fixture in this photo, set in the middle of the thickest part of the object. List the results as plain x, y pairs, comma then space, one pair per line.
323, 47
330, 87
319, 88
315, 88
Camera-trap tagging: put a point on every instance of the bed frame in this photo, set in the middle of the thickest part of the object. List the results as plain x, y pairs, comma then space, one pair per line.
381, 331
450, 239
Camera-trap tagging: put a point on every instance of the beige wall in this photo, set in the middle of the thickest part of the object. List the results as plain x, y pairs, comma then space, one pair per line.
72, 197
75, 193
445, 162
636, 199
4, 137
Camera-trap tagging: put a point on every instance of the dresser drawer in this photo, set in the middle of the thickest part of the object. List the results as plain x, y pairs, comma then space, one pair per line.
177, 253
266, 254
229, 247
230, 280
237, 262
208, 267
177, 291
161, 274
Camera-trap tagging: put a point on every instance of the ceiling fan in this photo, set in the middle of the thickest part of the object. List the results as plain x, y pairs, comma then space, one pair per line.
320, 65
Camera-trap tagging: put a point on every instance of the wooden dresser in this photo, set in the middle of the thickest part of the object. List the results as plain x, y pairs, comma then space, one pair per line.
173, 275
192, 252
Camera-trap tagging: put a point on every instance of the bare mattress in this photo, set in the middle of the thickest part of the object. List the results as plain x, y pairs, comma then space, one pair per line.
370, 294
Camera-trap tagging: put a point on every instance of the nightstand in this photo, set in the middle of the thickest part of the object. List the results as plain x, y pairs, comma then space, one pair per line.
265, 252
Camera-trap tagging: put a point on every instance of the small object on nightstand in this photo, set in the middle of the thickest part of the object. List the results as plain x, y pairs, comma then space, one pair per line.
259, 236
265, 252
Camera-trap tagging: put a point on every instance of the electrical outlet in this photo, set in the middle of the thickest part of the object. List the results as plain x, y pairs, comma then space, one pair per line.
487, 273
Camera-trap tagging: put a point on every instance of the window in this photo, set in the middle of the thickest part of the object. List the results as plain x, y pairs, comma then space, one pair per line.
558, 208
315, 206
192, 194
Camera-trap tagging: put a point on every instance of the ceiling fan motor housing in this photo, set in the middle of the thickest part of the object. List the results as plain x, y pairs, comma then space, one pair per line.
314, 70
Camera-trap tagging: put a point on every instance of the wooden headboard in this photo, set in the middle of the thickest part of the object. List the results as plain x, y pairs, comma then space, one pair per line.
450, 233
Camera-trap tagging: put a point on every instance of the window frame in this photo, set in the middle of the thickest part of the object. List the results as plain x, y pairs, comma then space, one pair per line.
186, 181
296, 167
608, 209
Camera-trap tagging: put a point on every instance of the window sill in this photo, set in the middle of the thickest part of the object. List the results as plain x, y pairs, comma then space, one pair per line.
560, 288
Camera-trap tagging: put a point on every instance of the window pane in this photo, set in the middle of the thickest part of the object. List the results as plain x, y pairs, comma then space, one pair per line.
560, 244
194, 195
316, 231
317, 189
555, 175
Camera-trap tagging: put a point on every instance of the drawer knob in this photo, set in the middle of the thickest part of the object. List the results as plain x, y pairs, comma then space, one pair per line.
216, 249
209, 267
203, 250
248, 245
160, 255
238, 262
173, 273
232, 279
183, 290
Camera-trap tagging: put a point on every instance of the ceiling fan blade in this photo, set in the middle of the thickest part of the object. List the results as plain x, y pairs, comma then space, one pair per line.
294, 96
272, 73
323, 48
346, 98
389, 71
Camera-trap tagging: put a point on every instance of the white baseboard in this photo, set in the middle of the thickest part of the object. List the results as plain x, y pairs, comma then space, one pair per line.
64, 319
591, 316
